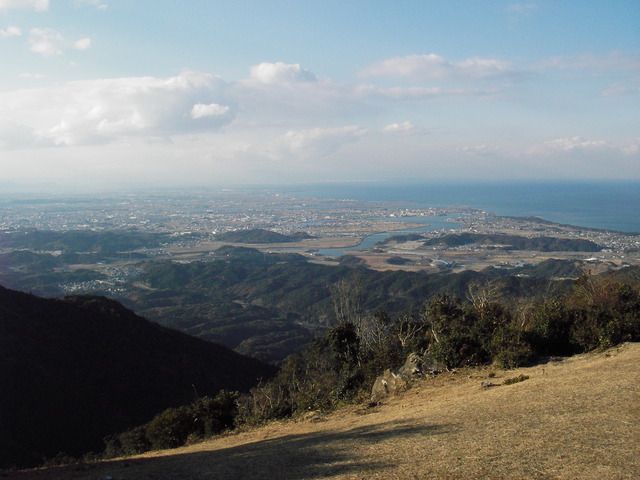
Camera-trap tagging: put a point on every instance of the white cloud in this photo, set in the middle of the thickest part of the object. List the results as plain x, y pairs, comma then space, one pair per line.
14, 135
619, 88
621, 69
631, 148
269, 119
93, 3
11, 31
201, 110
102, 111
82, 44
313, 143
616, 61
435, 67
479, 150
522, 8
565, 145
48, 42
595, 158
32, 76
280, 73
277, 92
403, 128
417, 93
38, 5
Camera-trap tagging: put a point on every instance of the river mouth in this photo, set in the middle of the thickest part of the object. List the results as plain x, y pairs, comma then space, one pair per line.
431, 224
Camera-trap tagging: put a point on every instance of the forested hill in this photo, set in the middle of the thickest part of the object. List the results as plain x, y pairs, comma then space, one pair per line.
75, 370
82, 240
517, 242
270, 305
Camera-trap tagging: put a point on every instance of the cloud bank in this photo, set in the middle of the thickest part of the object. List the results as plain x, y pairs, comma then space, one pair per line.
283, 121
48, 42
313, 143
37, 5
280, 73
103, 111
567, 144
10, 31
404, 128
420, 68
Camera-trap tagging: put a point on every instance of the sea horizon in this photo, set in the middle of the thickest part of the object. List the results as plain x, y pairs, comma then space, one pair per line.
612, 205
606, 205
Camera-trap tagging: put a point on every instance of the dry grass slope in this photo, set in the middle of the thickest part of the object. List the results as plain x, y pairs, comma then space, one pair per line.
572, 419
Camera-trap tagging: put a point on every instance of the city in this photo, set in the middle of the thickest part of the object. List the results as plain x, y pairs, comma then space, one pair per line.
189, 223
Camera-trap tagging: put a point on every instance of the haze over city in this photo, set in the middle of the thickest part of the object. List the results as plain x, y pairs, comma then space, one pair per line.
97, 92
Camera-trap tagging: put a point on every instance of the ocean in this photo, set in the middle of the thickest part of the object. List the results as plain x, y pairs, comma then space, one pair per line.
602, 205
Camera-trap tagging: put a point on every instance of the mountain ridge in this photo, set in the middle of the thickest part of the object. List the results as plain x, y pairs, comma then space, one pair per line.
76, 369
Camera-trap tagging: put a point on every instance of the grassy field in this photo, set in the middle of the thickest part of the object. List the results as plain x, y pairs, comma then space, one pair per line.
575, 418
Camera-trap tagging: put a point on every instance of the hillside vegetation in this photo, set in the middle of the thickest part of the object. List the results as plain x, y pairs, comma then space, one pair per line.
270, 305
267, 306
340, 367
571, 418
78, 368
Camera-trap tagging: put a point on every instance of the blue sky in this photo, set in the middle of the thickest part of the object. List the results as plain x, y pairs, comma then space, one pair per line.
211, 92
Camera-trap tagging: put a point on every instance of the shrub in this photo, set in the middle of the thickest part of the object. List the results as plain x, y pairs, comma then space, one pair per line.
268, 401
550, 333
169, 429
510, 349
214, 415
457, 351
173, 427
131, 442
518, 379
607, 312
518, 354
60, 459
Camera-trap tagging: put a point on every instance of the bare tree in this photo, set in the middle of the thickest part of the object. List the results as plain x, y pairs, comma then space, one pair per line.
407, 329
482, 294
525, 312
346, 295
373, 329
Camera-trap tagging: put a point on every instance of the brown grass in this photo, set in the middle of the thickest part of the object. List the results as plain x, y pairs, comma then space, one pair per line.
572, 419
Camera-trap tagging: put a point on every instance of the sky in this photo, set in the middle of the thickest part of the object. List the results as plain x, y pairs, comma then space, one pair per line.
209, 92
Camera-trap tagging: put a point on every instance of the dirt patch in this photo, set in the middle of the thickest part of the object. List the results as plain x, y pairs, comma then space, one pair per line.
575, 418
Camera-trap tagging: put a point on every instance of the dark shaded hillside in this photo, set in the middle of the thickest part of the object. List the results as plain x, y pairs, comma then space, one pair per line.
74, 370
